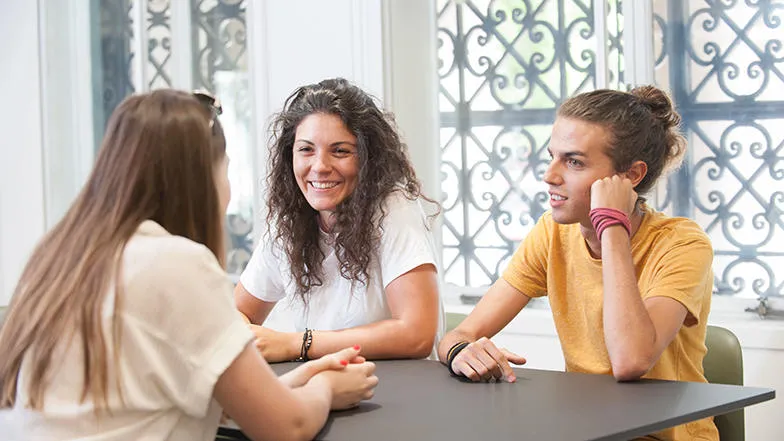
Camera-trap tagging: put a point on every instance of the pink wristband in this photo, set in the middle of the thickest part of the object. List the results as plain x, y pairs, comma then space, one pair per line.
603, 218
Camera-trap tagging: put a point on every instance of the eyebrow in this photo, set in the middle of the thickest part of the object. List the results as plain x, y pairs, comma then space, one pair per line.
571, 154
334, 144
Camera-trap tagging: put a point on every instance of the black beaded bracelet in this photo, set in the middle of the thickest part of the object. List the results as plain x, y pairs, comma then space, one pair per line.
307, 340
453, 351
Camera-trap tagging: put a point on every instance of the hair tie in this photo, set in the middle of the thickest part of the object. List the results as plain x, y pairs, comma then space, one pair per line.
603, 218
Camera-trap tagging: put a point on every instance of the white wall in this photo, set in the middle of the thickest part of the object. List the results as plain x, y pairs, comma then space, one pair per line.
21, 169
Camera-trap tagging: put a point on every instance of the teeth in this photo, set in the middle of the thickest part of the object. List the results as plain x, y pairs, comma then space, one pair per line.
323, 185
556, 197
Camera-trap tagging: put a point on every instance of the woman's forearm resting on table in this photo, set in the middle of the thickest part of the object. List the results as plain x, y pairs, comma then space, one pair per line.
265, 408
391, 338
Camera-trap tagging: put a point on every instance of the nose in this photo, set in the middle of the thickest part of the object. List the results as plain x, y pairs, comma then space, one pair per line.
321, 161
552, 174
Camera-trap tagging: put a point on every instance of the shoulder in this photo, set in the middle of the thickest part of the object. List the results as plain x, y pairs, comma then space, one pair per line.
167, 279
676, 229
546, 227
402, 209
676, 234
400, 200
158, 257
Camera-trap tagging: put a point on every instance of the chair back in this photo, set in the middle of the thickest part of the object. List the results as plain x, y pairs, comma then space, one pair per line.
453, 319
723, 364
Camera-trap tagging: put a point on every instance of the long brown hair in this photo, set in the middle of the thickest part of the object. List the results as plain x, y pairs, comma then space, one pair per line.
156, 162
384, 168
643, 126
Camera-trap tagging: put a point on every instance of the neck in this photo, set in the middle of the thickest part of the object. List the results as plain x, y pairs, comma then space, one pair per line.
595, 246
325, 222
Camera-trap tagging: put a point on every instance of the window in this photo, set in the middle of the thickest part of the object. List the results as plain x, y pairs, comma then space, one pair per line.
724, 64
504, 69
505, 66
141, 45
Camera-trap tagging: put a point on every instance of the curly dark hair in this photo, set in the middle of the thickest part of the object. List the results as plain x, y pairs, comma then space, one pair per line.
643, 125
384, 168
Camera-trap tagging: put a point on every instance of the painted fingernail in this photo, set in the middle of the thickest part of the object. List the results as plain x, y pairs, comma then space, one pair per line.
344, 362
356, 347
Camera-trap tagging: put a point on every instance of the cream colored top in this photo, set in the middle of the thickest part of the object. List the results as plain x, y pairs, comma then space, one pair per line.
180, 331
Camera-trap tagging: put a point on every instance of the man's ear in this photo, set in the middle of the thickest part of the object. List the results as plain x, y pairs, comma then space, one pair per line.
636, 172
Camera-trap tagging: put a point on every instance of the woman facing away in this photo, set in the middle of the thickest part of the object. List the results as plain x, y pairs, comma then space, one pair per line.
122, 326
350, 256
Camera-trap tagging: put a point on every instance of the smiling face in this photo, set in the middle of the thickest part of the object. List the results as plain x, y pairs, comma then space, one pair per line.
577, 149
325, 163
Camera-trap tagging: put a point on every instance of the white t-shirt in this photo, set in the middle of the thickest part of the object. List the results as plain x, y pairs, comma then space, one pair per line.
406, 243
180, 331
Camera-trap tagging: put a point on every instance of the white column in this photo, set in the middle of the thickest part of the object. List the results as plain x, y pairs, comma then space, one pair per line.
411, 83
181, 63
67, 102
638, 42
600, 29
21, 170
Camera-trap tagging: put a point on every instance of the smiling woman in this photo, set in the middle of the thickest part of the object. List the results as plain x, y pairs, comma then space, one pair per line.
325, 164
350, 253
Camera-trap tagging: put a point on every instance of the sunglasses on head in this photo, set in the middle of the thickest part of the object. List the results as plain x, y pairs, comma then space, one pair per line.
210, 102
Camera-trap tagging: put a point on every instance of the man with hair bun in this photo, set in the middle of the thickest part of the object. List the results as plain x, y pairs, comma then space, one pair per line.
630, 288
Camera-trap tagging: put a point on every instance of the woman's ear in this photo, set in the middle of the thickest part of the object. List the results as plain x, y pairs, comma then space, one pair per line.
636, 172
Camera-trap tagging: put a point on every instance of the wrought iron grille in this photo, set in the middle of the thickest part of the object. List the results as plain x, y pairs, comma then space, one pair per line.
115, 30
504, 68
218, 46
220, 65
724, 63
159, 43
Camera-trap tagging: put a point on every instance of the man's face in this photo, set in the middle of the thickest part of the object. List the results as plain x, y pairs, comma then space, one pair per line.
577, 149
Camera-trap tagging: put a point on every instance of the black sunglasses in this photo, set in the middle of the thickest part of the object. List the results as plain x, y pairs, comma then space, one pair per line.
210, 102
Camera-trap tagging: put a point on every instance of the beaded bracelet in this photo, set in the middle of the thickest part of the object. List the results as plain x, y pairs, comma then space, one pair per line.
307, 340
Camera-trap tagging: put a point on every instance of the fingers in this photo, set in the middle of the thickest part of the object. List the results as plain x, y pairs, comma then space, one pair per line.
347, 355
513, 358
338, 360
483, 361
370, 367
481, 353
499, 355
613, 192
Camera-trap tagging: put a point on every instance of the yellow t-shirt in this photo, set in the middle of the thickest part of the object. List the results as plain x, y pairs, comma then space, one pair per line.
672, 258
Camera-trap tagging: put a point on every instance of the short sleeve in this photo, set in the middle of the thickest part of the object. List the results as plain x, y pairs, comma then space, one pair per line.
181, 328
263, 275
527, 270
406, 238
684, 273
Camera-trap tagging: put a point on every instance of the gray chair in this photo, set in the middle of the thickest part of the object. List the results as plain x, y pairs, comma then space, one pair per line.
723, 364
453, 319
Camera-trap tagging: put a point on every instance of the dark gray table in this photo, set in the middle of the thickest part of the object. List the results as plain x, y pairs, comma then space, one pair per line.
419, 400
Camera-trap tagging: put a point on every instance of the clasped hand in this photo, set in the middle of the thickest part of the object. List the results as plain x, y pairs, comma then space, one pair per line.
347, 374
614, 192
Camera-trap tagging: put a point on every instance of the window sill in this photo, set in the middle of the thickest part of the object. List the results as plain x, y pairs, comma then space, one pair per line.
752, 332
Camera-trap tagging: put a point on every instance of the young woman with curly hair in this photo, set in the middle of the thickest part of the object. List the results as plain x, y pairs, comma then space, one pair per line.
349, 256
